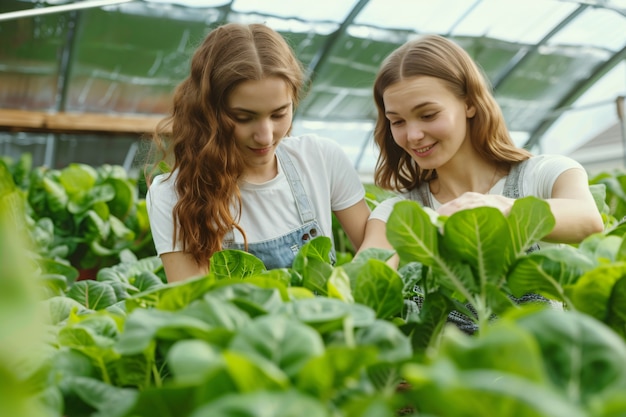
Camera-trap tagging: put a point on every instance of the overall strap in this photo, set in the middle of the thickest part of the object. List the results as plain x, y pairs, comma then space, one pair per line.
513, 182
512, 186
421, 194
513, 189
303, 204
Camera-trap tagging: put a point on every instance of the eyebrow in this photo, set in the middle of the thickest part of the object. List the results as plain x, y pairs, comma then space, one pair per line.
416, 107
241, 109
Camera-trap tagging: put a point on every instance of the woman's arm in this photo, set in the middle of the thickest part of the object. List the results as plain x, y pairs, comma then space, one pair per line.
180, 266
571, 203
574, 208
353, 221
376, 237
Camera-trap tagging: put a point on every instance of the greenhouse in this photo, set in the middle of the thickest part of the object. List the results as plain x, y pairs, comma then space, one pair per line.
93, 323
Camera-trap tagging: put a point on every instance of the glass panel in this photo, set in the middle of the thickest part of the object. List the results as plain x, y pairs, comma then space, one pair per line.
432, 17
320, 11
592, 113
512, 20
192, 3
601, 28
29, 59
123, 65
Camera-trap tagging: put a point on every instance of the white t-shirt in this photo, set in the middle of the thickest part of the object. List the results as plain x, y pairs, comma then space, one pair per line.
269, 210
540, 174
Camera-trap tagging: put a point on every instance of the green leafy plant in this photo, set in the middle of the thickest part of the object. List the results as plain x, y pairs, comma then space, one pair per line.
88, 215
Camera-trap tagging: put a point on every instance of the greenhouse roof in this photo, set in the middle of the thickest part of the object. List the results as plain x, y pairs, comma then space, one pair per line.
557, 67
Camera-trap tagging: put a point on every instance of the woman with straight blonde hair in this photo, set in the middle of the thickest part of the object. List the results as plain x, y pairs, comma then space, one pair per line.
237, 179
444, 143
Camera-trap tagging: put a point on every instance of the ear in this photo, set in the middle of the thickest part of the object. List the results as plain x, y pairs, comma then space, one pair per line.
470, 110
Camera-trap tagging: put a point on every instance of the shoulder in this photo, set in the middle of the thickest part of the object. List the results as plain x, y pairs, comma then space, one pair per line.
550, 162
309, 142
541, 172
162, 187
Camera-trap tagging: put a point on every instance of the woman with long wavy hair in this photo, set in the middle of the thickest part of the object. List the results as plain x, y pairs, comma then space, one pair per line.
237, 179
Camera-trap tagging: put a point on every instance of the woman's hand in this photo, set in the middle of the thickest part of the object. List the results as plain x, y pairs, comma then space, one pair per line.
471, 200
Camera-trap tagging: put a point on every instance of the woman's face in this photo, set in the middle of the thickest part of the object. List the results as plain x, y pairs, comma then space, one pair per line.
262, 111
427, 120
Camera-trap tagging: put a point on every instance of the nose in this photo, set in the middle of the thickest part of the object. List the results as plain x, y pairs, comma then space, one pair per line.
264, 132
414, 132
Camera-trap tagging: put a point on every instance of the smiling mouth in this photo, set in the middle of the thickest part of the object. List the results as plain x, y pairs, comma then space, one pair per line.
260, 150
424, 149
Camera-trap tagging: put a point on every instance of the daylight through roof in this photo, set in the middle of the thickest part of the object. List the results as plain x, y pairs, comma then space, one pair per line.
557, 66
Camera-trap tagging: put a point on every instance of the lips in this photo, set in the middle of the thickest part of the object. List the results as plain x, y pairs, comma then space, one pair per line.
424, 149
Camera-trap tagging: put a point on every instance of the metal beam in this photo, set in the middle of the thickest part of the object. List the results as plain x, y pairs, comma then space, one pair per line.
525, 52
89, 4
575, 93
322, 54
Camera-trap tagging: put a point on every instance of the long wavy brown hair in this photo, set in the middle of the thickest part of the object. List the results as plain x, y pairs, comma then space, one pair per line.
196, 139
439, 57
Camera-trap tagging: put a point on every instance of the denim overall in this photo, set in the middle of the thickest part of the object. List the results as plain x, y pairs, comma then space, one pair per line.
512, 186
279, 252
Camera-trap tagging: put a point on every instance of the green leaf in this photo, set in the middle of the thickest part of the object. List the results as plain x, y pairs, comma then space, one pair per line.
335, 370
327, 314
530, 221
217, 312
289, 403
503, 346
617, 308
53, 284
482, 238
412, 234
593, 291
51, 266
125, 196
106, 400
120, 230
254, 373
445, 390
144, 327
94, 227
58, 309
78, 178
391, 344
602, 248
432, 316
339, 285
55, 195
583, 357
146, 280
312, 262
548, 271
379, 286
253, 299
192, 360
286, 342
317, 248
235, 264
93, 294
173, 296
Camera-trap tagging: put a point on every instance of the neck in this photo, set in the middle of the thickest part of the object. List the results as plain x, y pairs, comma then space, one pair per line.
452, 183
259, 174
